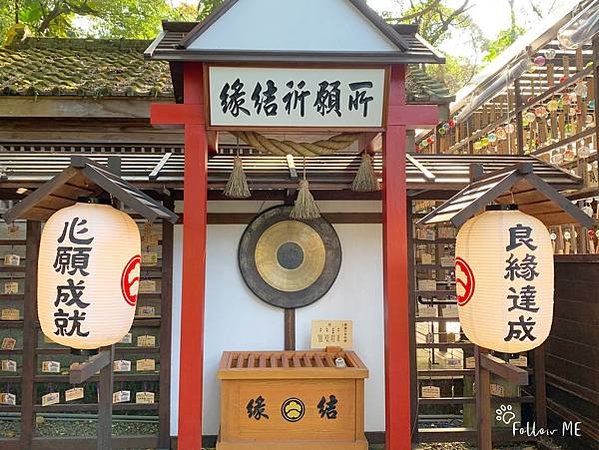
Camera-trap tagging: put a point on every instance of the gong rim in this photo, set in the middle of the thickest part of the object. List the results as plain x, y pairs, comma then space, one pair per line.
251, 274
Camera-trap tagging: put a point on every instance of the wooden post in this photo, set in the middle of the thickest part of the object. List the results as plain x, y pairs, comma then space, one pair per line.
290, 329
194, 264
34, 232
469, 131
412, 315
395, 271
596, 82
395, 258
166, 301
483, 401
485, 366
191, 116
519, 124
540, 387
105, 402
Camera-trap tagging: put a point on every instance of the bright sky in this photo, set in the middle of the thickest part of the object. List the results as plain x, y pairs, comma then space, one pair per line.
492, 16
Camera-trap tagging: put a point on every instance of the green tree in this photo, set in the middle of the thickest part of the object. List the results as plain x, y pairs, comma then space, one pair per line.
96, 18
139, 19
205, 7
506, 37
455, 73
438, 22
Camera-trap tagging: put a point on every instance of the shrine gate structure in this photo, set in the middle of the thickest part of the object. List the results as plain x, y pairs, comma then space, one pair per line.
296, 66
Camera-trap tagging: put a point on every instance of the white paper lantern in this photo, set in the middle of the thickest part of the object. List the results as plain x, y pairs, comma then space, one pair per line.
88, 275
504, 280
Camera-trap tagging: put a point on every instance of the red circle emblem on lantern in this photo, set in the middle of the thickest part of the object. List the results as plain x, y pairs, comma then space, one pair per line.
126, 283
464, 278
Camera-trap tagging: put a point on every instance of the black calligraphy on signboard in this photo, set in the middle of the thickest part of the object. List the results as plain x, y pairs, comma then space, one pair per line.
72, 259
266, 98
522, 293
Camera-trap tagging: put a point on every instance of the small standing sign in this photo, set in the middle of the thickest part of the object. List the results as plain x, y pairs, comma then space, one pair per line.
326, 333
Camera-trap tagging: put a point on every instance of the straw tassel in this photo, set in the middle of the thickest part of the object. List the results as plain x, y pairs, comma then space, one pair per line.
366, 180
237, 186
305, 207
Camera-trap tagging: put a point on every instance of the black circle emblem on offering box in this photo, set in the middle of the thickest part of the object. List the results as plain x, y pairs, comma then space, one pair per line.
293, 410
286, 262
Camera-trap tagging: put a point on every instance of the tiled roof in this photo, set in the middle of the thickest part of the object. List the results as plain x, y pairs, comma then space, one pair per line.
81, 67
443, 172
421, 88
114, 68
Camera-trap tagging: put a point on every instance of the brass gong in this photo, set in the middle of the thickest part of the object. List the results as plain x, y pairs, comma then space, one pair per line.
289, 263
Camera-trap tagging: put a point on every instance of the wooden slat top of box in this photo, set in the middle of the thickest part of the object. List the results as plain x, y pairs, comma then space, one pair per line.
281, 365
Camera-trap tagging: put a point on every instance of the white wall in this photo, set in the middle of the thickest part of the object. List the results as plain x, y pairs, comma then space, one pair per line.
237, 320
309, 25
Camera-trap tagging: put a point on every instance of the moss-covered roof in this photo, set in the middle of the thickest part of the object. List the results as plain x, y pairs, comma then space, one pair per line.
81, 67
421, 88
116, 68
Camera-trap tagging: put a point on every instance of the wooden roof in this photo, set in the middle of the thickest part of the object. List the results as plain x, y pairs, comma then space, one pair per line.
170, 45
424, 172
514, 185
85, 178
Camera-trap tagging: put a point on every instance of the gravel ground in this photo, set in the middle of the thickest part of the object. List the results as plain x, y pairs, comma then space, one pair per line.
10, 429
84, 428
52, 428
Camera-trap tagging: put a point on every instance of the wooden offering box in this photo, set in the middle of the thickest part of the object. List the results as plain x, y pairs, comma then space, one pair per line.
291, 401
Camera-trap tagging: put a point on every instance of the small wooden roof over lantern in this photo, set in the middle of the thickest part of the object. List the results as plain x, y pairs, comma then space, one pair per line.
514, 185
85, 178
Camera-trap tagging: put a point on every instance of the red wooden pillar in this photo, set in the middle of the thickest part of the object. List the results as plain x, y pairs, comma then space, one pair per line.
194, 264
395, 269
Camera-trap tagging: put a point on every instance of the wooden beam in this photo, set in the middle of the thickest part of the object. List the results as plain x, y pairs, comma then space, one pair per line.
82, 371
155, 173
513, 374
427, 173
476, 172
176, 115
245, 218
366, 142
292, 167
212, 139
83, 108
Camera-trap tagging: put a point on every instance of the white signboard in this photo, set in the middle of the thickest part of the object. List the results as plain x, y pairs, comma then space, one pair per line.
289, 97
